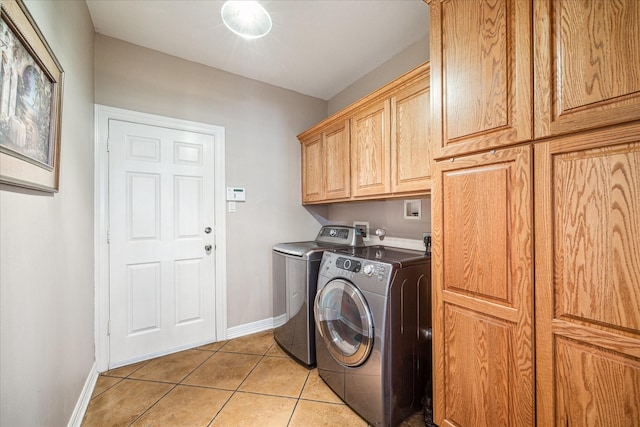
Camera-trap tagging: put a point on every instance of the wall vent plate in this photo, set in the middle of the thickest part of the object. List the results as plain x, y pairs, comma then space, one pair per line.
363, 226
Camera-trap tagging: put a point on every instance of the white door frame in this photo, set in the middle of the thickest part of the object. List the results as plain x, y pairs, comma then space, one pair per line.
101, 218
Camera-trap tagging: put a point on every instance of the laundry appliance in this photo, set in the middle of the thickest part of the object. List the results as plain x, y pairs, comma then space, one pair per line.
373, 330
295, 277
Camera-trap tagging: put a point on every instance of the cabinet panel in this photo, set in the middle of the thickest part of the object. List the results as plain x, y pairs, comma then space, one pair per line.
468, 196
483, 289
586, 64
336, 160
411, 138
370, 139
312, 170
588, 278
598, 388
479, 374
481, 74
597, 224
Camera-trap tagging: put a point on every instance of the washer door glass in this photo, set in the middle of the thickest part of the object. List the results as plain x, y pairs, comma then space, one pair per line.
344, 321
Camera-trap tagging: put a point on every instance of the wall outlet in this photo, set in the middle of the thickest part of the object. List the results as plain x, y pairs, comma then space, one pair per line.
363, 226
426, 239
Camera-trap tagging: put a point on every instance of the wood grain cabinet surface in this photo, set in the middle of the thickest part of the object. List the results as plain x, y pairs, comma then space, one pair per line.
370, 152
482, 266
588, 278
377, 148
587, 64
481, 67
562, 76
325, 164
411, 147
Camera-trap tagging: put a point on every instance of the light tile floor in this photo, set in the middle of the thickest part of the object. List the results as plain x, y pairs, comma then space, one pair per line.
247, 381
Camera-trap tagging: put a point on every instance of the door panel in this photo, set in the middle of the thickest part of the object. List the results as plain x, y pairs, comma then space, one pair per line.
483, 290
370, 150
481, 75
588, 278
586, 64
162, 280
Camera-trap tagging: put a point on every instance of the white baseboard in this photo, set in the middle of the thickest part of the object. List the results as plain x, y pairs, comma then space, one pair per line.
280, 320
85, 398
254, 327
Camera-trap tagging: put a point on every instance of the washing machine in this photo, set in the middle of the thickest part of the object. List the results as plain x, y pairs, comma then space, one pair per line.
295, 276
373, 330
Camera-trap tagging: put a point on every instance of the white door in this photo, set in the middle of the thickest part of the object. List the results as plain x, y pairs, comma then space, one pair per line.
161, 240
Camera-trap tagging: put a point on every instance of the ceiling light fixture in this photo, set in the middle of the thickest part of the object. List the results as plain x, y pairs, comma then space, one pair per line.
248, 19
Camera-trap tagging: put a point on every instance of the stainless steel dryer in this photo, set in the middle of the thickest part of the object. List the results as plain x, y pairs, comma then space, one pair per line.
373, 327
295, 276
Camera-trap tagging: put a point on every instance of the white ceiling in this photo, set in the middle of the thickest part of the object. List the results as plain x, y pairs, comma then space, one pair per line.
316, 47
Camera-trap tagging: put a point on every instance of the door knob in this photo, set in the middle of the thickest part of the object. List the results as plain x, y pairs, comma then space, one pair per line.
208, 248
207, 230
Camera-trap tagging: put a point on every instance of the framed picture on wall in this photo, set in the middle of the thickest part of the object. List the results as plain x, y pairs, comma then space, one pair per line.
31, 82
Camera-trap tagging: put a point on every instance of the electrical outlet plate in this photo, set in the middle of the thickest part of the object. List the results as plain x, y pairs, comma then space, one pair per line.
363, 226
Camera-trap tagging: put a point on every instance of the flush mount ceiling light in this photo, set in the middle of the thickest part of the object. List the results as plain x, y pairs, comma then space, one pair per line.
248, 19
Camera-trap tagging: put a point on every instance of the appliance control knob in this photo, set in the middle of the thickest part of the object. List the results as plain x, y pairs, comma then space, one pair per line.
368, 269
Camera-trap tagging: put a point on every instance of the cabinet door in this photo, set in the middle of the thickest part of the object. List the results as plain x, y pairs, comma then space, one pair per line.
587, 64
588, 279
481, 74
370, 139
411, 139
483, 290
312, 170
336, 159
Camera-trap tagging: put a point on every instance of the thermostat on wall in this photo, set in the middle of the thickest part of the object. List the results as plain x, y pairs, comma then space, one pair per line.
235, 194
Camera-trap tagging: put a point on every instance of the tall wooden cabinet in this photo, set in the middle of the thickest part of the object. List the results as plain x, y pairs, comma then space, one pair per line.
482, 266
588, 279
559, 79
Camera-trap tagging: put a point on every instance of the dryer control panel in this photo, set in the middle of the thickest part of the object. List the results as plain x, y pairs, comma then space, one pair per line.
348, 264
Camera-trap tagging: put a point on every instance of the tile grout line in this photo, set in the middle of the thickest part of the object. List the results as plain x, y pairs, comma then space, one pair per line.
233, 392
176, 384
299, 396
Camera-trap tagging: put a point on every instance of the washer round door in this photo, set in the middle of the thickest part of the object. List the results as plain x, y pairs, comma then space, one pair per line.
345, 322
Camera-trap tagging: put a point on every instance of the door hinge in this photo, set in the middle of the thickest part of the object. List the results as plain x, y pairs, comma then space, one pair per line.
108, 236
108, 145
109, 327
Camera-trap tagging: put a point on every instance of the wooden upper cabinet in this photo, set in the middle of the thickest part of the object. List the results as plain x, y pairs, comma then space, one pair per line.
481, 74
376, 148
587, 64
411, 155
325, 164
312, 169
370, 154
588, 278
336, 160
482, 267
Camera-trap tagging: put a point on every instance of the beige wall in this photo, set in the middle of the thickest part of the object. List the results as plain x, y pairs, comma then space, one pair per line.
262, 152
387, 214
46, 250
406, 60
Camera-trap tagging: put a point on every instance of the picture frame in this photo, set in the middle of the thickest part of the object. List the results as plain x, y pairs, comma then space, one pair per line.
31, 89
